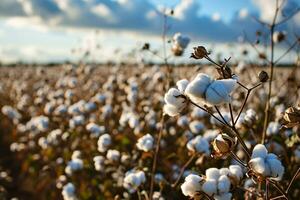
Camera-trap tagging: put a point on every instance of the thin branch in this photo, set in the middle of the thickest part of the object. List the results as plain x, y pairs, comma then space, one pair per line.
293, 179
286, 52
188, 162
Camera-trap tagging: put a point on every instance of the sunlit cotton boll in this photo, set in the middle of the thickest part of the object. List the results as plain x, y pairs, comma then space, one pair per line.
133, 180
264, 164
191, 185
104, 142
273, 128
219, 91
175, 100
196, 89
181, 40
113, 155
77, 121
99, 163
74, 165
95, 129
199, 145
145, 143
11, 113
196, 127
68, 192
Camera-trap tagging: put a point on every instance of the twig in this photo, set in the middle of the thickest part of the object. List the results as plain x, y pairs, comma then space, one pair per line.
293, 179
188, 162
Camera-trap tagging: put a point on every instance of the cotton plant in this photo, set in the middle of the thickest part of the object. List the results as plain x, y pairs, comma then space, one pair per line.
199, 144
75, 164
68, 192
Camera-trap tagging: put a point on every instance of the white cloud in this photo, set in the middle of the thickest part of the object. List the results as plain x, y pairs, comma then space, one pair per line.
216, 17
243, 13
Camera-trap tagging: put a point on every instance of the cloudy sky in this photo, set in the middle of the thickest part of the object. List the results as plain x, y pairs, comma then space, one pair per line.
60, 30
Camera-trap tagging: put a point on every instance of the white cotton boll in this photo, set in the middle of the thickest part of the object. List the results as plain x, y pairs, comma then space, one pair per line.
181, 40
276, 168
273, 128
95, 129
219, 91
259, 151
210, 187
68, 192
61, 110
258, 165
172, 98
224, 171
224, 196
145, 143
99, 163
183, 121
210, 134
191, 185
113, 155
212, 173
104, 142
198, 144
141, 177
198, 113
171, 110
90, 106
196, 127
196, 88
133, 121
182, 84
223, 184
236, 171
133, 179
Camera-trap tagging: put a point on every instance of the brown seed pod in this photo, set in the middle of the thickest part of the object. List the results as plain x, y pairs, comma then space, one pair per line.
223, 144
199, 52
263, 76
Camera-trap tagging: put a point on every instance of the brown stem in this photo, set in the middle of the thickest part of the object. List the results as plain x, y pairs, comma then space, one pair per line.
293, 179
155, 157
188, 162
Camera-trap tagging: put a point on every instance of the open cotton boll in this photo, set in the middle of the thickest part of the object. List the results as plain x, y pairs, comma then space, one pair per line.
196, 127
224, 196
183, 121
223, 184
273, 128
68, 192
259, 151
191, 185
219, 91
133, 179
182, 84
172, 97
198, 144
276, 168
171, 110
145, 143
212, 173
113, 155
236, 171
196, 88
104, 142
259, 166
210, 187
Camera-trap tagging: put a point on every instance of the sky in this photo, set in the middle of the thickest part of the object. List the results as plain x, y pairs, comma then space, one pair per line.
63, 30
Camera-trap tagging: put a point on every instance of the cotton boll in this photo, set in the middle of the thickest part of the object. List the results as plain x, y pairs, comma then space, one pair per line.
104, 142
191, 185
172, 98
171, 110
99, 163
273, 128
68, 192
236, 171
223, 184
113, 155
198, 113
258, 165
198, 144
212, 173
224, 171
259, 151
182, 84
276, 168
210, 187
145, 143
196, 127
183, 121
219, 91
196, 89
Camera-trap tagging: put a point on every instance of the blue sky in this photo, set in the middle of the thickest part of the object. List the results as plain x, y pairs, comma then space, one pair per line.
59, 30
